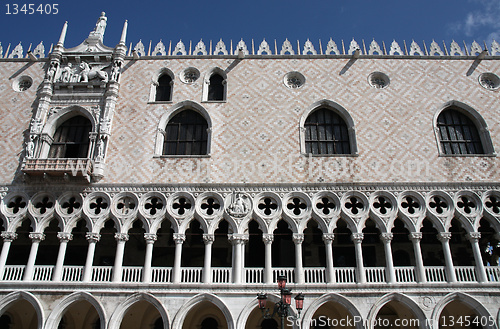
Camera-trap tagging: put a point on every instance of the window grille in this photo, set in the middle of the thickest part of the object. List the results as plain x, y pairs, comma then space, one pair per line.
458, 134
186, 134
326, 133
71, 139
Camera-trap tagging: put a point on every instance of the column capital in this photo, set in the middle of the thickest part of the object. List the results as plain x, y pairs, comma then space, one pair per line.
150, 237
328, 237
37, 237
237, 238
179, 238
298, 238
444, 236
386, 237
9, 236
121, 237
268, 238
92, 237
416, 236
357, 237
64, 236
473, 236
208, 238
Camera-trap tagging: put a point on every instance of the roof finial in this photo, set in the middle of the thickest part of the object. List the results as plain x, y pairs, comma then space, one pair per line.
124, 32
63, 34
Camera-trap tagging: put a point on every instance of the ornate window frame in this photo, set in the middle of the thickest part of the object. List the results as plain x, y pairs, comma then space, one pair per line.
206, 84
168, 115
342, 112
154, 84
56, 120
476, 118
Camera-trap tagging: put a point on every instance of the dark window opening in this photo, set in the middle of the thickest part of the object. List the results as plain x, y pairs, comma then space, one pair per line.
326, 133
164, 89
71, 139
458, 134
209, 323
216, 88
186, 134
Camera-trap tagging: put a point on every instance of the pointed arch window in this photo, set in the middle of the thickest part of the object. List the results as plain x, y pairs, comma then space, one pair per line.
326, 133
186, 134
71, 139
216, 88
164, 88
458, 134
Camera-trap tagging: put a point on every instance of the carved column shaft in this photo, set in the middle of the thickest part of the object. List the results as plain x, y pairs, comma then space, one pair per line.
330, 271
36, 238
64, 238
8, 237
268, 239
299, 269
121, 238
389, 265
179, 240
207, 265
92, 238
474, 237
445, 237
357, 238
150, 239
415, 238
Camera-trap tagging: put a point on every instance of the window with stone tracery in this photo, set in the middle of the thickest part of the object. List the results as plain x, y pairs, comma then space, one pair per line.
326, 133
71, 139
186, 134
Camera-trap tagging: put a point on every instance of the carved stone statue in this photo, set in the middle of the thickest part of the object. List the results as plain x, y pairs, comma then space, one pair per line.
51, 72
100, 27
115, 71
100, 149
67, 73
30, 148
87, 73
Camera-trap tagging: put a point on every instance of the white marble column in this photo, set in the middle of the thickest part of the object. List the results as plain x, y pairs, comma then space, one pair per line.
298, 238
268, 239
7, 237
238, 241
445, 237
330, 271
150, 239
357, 238
64, 238
474, 237
207, 264
121, 238
92, 238
415, 238
179, 239
389, 264
36, 238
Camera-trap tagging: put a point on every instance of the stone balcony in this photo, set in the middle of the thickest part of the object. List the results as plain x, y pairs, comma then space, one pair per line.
75, 167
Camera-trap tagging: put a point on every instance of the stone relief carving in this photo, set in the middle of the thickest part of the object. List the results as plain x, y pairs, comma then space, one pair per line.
435, 49
242, 46
375, 48
52, 71
353, 46
39, 50
240, 205
415, 49
30, 147
475, 49
88, 73
115, 70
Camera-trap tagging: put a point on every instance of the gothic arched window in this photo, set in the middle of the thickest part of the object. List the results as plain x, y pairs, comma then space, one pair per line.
164, 88
326, 133
71, 139
216, 88
186, 134
458, 134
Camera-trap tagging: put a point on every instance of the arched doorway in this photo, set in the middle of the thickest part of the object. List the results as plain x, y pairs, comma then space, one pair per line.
142, 314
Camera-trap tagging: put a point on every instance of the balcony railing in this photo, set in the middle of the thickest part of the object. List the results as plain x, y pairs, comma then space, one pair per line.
74, 167
312, 275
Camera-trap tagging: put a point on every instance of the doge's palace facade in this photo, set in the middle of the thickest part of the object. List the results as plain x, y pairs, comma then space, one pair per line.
166, 186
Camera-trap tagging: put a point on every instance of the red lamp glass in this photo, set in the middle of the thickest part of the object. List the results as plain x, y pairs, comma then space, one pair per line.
286, 296
299, 302
262, 298
281, 281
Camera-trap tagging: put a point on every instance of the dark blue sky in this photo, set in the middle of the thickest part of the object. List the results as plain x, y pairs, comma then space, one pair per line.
382, 20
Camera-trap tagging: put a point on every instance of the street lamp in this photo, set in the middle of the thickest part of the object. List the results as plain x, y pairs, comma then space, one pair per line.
281, 308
